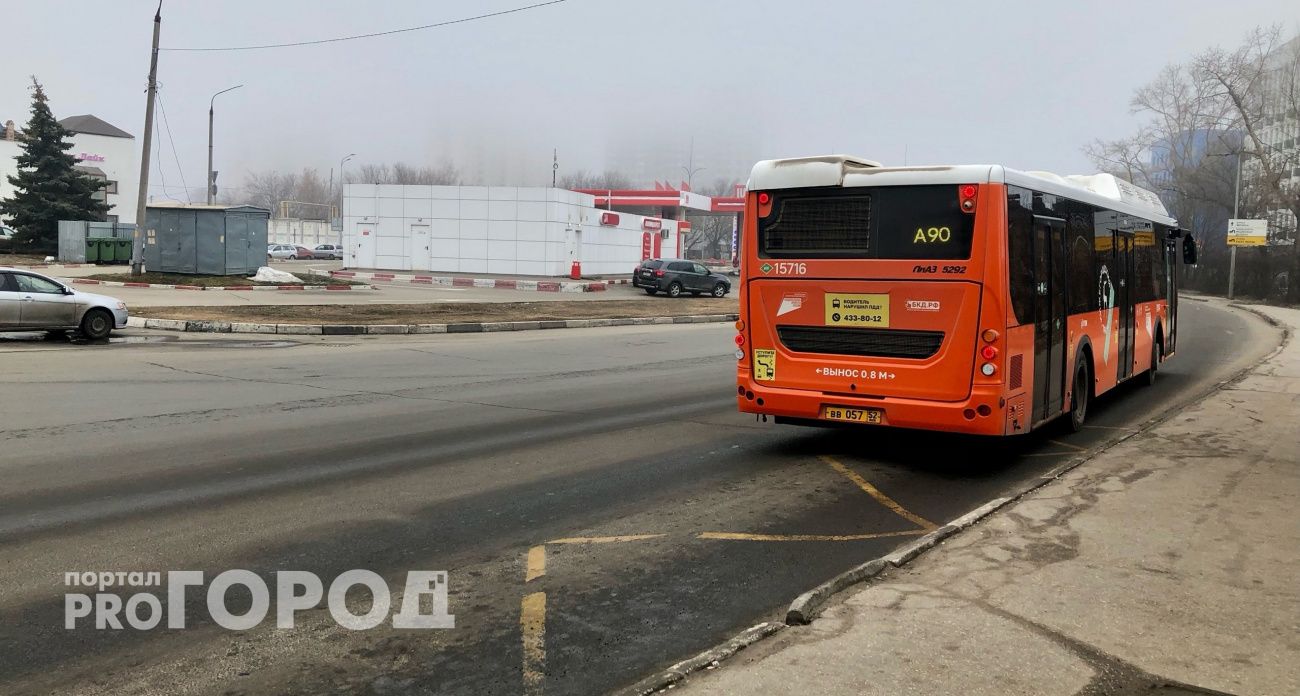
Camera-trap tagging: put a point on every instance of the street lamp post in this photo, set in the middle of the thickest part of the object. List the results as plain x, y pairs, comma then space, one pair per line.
342, 183
690, 176
211, 107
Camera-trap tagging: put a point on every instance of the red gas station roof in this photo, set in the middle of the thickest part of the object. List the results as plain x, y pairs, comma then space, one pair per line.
667, 197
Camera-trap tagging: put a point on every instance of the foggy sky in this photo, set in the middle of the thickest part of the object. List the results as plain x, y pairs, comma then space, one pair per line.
1020, 83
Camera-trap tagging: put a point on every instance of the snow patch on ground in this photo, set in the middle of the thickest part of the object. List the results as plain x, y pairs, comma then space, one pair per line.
266, 274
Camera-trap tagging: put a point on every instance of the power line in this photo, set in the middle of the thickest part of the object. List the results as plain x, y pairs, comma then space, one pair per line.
157, 136
180, 170
374, 34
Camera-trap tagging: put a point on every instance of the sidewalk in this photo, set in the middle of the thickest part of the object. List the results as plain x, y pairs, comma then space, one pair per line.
1169, 564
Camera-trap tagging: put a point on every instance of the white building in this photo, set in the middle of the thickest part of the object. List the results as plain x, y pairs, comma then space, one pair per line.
499, 229
103, 151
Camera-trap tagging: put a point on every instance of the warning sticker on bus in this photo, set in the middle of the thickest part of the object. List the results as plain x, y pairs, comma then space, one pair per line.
857, 310
765, 365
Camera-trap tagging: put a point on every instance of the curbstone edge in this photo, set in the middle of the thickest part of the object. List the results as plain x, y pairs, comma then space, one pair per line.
808, 605
679, 671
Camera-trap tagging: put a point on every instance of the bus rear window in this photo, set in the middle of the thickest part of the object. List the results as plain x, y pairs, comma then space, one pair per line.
887, 222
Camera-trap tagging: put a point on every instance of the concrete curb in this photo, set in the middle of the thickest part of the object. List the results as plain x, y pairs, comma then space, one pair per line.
413, 329
706, 659
810, 604
465, 282
241, 288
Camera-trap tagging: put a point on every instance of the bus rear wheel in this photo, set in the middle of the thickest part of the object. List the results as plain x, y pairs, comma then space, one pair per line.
1155, 363
1079, 396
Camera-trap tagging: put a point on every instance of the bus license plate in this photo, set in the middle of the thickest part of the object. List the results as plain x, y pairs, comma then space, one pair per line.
854, 415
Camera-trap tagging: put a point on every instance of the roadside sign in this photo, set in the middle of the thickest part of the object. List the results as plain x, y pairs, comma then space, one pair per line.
1243, 232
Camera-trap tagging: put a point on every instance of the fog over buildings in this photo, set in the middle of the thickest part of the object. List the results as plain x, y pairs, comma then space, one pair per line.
609, 84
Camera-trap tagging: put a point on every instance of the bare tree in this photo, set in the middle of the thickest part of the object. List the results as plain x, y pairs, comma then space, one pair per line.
608, 180
267, 189
1205, 117
445, 174
304, 195
1259, 84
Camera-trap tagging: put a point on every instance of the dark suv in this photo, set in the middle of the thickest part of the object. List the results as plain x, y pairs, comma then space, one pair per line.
676, 276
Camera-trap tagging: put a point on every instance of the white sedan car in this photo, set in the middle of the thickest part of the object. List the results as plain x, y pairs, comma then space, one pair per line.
328, 251
281, 251
32, 302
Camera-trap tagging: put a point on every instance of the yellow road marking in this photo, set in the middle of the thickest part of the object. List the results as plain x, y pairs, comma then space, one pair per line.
880, 497
738, 536
1069, 446
532, 621
536, 563
604, 540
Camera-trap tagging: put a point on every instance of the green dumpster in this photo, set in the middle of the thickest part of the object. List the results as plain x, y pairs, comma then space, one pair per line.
123, 250
92, 251
106, 250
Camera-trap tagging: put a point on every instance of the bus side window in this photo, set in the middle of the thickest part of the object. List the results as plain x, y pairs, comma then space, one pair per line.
1145, 256
1082, 284
1020, 256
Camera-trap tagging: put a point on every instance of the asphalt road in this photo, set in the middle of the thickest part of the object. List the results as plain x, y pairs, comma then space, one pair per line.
600, 507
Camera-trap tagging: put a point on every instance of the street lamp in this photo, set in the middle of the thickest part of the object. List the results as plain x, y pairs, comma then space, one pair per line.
1236, 206
211, 106
690, 176
342, 182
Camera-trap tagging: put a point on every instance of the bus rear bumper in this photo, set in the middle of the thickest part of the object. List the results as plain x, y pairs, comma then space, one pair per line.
956, 417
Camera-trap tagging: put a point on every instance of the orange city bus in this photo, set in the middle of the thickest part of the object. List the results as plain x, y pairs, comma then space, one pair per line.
972, 299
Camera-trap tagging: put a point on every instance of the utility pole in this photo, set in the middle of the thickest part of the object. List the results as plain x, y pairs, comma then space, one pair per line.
142, 198
555, 165
1232, 253
212, 179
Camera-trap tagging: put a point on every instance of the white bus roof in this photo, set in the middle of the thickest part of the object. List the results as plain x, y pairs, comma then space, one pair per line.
1103, 190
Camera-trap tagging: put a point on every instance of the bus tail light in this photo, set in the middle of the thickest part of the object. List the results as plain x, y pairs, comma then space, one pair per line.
740, 325
764, 204
740, 339
967, 193
988, 369
989, 352
989, 335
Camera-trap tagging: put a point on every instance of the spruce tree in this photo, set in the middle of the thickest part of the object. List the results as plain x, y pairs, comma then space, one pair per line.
48, 188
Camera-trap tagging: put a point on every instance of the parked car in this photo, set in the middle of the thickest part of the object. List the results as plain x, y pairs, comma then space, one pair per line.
328, 251
676, 276
302, 252
280, 251
33, 302
6, 233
